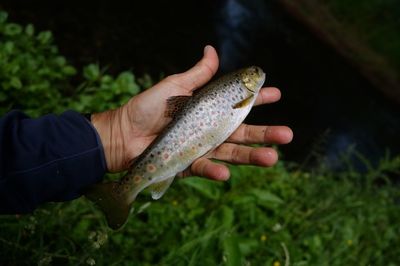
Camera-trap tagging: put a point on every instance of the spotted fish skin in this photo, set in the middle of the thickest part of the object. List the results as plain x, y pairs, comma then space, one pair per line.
204, 121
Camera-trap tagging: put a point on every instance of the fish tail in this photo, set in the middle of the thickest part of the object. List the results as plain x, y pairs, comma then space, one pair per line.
115, 206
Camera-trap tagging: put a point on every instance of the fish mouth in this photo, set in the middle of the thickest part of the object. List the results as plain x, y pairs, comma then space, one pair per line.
249, 89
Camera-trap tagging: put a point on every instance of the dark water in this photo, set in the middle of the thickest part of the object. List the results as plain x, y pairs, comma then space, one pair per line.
329, 105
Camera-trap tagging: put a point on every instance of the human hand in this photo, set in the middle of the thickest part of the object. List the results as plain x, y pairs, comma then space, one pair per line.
127, 131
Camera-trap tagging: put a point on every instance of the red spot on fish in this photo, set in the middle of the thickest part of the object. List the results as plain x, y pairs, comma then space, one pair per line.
137, 179
151, 168
166, 156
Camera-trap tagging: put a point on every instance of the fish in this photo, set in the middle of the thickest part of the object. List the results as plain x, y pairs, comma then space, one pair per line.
200, 123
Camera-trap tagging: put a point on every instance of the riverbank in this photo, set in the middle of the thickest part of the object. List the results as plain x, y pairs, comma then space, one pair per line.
375, 62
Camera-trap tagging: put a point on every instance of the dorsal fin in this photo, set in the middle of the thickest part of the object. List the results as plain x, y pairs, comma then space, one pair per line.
174, 104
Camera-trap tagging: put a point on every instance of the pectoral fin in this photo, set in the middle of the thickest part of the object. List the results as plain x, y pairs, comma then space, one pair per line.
244, 102
158, 189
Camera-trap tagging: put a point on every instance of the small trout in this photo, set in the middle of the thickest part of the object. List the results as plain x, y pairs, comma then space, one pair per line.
200, 123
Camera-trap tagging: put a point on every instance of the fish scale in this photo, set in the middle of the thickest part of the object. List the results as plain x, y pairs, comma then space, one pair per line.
201, 123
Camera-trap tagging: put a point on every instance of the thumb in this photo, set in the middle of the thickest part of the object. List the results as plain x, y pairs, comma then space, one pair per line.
201, 73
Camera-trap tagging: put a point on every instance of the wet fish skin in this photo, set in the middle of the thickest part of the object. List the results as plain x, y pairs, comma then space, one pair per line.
202, 122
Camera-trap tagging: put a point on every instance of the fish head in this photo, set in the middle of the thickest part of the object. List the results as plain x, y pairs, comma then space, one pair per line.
253, 78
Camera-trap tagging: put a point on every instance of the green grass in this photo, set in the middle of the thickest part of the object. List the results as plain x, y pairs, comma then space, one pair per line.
321, 218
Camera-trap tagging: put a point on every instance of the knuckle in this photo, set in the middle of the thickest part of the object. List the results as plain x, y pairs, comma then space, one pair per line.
172, 78
266, 133
198, 167
247, 133
235, 155
206, 69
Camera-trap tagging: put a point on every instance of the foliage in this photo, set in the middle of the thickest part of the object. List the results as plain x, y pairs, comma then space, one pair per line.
101, 91
319, 218
34, 77
29, 66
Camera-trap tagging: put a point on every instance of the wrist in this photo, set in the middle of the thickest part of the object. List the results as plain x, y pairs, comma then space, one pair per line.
108, 126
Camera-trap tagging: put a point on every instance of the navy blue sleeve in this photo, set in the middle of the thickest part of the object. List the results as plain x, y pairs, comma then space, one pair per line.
51, 158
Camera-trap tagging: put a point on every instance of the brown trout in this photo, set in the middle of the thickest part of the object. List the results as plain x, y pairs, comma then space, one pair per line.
200, 123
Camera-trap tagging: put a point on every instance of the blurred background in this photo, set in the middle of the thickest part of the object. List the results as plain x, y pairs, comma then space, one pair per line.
334, 197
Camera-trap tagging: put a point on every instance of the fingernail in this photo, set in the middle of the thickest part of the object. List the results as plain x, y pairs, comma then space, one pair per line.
287, 135
206, 48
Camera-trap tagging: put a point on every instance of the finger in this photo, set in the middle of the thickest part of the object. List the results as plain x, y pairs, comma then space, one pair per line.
249, 134
199, 74
238, 154
268, 95
207, 168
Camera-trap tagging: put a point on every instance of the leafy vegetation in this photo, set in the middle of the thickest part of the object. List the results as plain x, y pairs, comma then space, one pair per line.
319, 218
36, 78
273, 216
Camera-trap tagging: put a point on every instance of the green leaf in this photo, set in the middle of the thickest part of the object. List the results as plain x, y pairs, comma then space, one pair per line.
106, 79
12, 29
44, 37
91, 72
8, 47
198, 240
195, 258
16, 82
133, 89
126, 83
210, 189
247, 245
265, 197
194, 212
81, 227
227, 216
231, 251
60, 60
29, 30
245, 200
69, 70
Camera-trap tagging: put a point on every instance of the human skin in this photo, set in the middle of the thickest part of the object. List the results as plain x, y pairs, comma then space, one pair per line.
127, 131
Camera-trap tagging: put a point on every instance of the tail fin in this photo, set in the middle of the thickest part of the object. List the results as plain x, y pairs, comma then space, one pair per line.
115, 206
